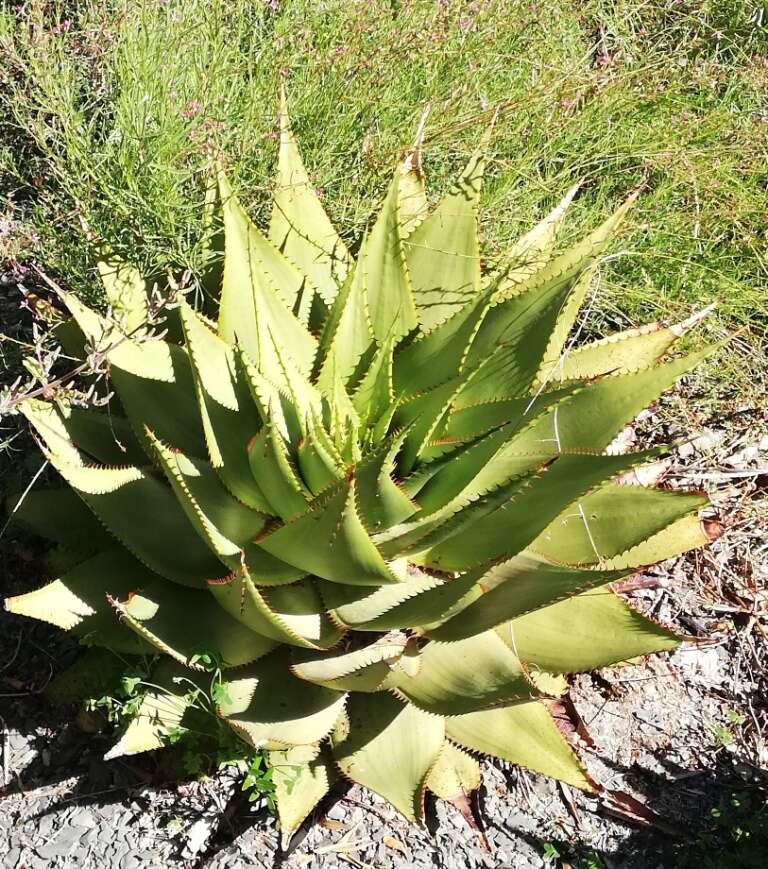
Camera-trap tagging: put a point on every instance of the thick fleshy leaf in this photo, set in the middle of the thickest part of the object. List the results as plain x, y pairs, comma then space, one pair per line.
153, 379
363, 669
592, 629
59, 515
273, 470
456, 773
382, 502
146, 518
126, 291
153, 609
299, 226
290, 614
381, 261
460, 677
524, 583
168, 705
302, 777
581, 260
318, 461
270, 708
614, 519
592, 417
229, 415
513, 525
389, 748
413, 204
342, 549
443, 254
522, 733
77, 601
225, 524
259, 290
534, 249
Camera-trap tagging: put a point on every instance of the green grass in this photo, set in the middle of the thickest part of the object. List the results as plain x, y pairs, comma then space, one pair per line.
113, 116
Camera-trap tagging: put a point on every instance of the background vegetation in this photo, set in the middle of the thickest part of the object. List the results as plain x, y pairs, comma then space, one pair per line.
110, 109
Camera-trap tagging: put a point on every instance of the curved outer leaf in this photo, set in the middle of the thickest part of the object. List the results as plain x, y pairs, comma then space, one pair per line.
592, 629
126, 290
343, 550
301, 777
270, 708
363, 669
460, 677
292, 614
584, 255
146, 518
165, 707
77, 601
455, 774
388, 291
615, 519
251, 312
525, 583
299, 226
522, 733
59, 515
529, 509
153, 612
534, 249
389, 748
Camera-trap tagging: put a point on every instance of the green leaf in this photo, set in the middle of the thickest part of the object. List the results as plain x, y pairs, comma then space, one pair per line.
153, 379
125, 289
522, 584
229, 416
225, 524
153, 611
533, 250
299, 226
523, 733
302, 778
59, 515
270, 708
319, 463
342, 549
291, 614
592, 417
363, 669
464, 676
412, 197
513, 525
443, 254
456, 773
259, 289
381, 261
275, 475
592, 629
165, 707
581, 260
381, 500
77, 600
389, 748
146, 518
613, 520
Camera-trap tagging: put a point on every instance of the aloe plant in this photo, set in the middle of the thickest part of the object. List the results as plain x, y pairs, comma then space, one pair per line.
382, 490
